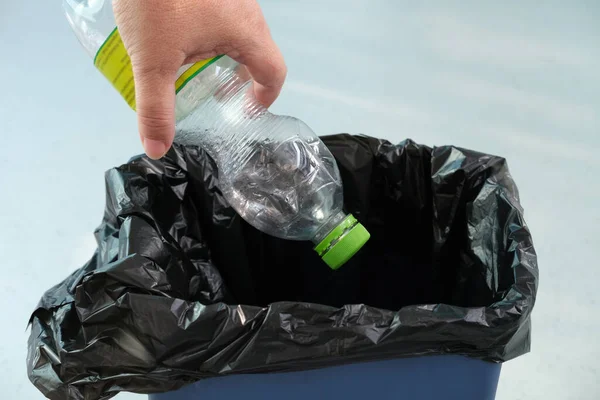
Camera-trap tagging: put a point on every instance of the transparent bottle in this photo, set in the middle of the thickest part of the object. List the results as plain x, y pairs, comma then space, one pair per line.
273, 170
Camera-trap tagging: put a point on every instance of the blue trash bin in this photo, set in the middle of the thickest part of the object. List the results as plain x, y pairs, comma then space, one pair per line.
420, 378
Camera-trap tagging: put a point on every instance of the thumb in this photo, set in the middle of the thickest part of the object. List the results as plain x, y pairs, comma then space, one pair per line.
155, 106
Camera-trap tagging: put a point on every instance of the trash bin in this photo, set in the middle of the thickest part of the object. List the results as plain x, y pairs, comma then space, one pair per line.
455, 377
182, 299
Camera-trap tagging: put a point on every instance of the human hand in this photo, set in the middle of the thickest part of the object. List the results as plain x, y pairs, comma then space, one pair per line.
162, 35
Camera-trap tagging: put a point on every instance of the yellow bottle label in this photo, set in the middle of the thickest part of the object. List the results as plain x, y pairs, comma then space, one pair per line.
114, 63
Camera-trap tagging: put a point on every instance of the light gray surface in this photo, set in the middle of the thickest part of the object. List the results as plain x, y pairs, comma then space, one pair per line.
518, 81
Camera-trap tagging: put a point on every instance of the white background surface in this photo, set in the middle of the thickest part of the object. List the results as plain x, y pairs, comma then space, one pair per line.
521, 81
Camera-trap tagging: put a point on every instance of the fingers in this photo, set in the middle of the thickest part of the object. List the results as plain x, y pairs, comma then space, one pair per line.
155, 92
266, 65
155, 106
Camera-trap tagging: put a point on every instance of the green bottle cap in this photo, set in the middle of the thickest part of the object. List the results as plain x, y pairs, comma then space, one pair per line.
343, 242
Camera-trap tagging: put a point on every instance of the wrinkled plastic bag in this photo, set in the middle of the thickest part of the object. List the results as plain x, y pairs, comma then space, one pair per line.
181, 288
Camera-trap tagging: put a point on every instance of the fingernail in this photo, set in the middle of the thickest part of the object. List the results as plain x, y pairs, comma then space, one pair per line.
155, 149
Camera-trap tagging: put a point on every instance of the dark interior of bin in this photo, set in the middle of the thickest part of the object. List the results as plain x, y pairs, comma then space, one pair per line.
390, 192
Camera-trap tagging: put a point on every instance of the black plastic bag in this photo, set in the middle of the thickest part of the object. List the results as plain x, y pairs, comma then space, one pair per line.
180, 288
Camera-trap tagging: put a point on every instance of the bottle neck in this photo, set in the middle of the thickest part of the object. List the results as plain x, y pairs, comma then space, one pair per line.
328, 226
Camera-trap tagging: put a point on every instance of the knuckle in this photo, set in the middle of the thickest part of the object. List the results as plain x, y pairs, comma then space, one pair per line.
278, 70
155, 62
148, 71
155, 124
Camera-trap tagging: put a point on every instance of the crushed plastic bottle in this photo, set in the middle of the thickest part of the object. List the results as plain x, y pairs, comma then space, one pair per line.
274, 170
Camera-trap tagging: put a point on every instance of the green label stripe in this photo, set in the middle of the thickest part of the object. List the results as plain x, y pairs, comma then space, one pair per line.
192, 71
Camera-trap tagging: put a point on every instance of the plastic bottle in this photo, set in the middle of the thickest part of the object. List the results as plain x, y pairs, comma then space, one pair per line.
274, 170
